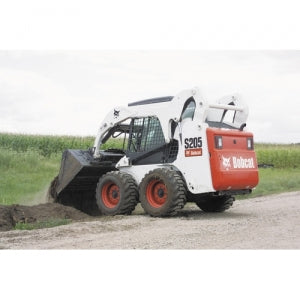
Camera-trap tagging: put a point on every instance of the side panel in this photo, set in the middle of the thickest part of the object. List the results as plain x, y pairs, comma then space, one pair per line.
193, 157
233, 163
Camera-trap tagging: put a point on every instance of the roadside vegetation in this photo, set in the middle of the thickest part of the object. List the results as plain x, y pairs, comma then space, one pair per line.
44, 145
283, 173
279, 155
28, 163
42, 224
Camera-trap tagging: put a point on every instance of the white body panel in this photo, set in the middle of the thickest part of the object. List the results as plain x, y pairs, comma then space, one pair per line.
195, 169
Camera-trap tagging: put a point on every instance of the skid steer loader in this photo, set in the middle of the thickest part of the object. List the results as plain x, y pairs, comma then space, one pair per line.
166, 151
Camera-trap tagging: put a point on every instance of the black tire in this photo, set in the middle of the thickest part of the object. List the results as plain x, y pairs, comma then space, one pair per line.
162, 192
116, 194
215, 203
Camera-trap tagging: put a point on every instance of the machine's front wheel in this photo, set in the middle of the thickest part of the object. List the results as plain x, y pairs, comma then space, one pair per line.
116, 194
162, 192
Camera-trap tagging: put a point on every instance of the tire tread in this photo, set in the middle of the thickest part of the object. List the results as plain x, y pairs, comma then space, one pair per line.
130, 197
179, 192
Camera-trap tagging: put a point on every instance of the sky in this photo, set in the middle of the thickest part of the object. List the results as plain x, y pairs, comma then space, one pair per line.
70, 92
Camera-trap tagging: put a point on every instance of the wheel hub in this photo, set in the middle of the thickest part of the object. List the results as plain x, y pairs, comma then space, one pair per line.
110, 194
160, 193
156, 193
115, 194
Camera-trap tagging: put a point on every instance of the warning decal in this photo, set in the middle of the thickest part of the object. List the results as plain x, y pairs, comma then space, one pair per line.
193, 152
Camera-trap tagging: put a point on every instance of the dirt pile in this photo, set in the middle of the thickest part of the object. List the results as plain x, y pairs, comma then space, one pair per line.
10, 215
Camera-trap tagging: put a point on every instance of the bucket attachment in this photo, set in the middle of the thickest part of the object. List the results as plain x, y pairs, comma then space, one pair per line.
77, 180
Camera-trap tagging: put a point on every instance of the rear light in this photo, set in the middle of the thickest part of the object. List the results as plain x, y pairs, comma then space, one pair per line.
218, 142
250, 145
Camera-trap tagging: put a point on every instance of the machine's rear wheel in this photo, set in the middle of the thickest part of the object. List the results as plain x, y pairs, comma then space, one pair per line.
162, 192
216, 203
116, 194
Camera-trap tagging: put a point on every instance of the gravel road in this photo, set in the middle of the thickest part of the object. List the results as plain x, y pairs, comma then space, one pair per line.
271, 222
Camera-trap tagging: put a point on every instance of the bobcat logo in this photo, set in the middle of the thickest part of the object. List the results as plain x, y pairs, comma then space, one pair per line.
226, 162
116, 113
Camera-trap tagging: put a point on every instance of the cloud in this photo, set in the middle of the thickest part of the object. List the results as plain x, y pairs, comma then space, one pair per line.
70, 92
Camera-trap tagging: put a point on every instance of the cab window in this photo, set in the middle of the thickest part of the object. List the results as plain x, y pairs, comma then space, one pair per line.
145, 134
188, 109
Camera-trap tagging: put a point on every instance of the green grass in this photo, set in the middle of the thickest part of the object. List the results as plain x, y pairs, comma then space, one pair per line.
42, 224
273, 180
28, 163
285, 176
25, 174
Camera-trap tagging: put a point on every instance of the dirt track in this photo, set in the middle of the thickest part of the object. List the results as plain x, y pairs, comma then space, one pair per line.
262, 223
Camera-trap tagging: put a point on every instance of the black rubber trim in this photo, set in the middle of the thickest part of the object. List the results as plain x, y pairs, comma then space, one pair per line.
151, 101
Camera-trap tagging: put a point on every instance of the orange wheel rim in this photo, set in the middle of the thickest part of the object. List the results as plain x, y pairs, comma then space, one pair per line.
110, 194
156, 193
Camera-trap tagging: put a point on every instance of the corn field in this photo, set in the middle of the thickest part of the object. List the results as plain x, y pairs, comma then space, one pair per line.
281, 156
43, 145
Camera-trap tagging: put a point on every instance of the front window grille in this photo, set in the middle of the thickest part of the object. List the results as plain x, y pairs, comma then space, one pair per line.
146, 134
